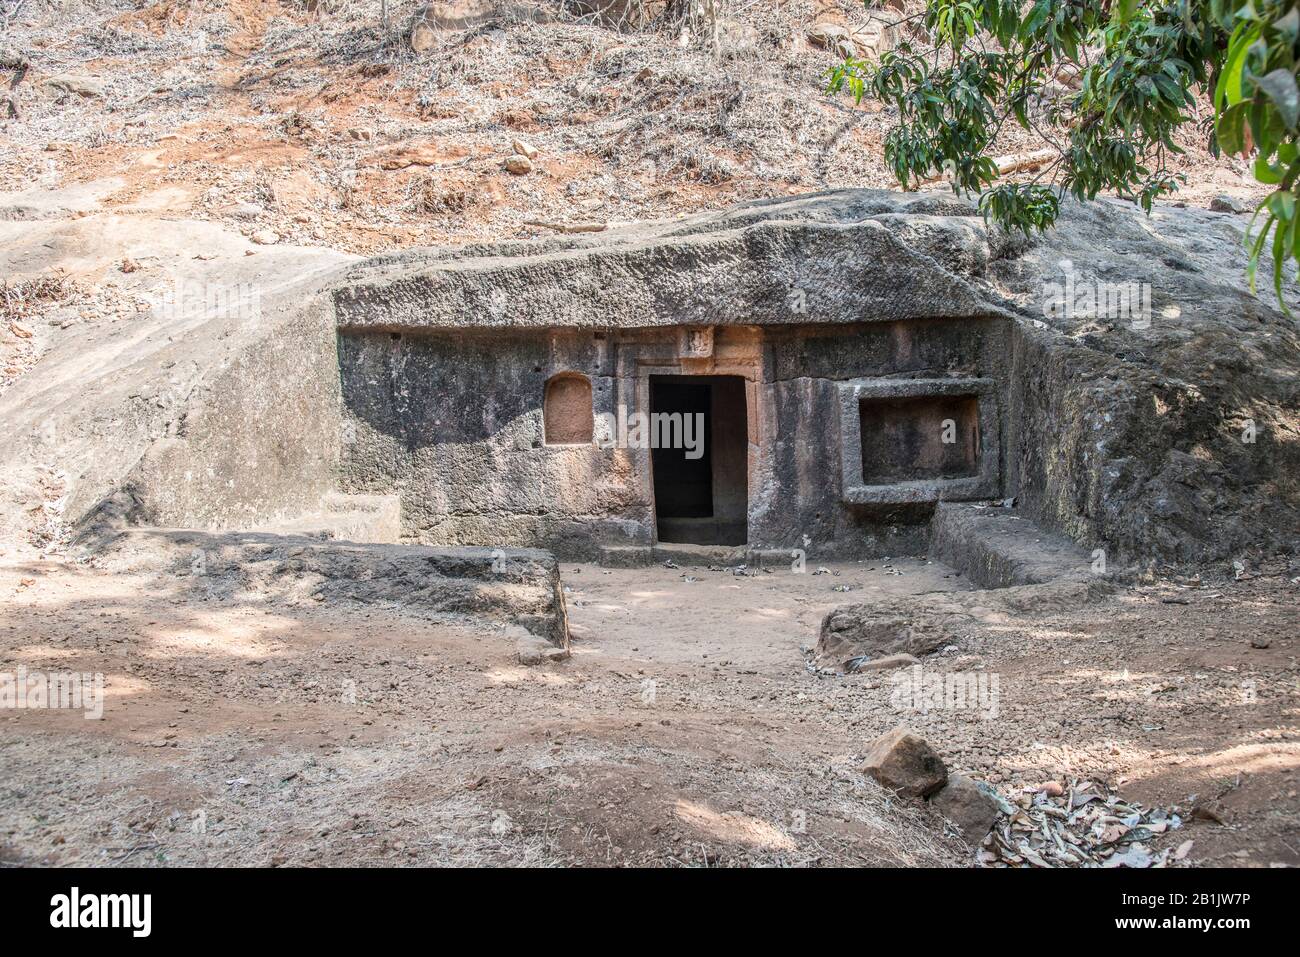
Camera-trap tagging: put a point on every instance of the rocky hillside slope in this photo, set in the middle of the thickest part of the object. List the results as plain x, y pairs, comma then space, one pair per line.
312, 122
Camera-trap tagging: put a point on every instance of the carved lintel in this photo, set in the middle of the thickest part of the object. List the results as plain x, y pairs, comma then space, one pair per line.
696, 342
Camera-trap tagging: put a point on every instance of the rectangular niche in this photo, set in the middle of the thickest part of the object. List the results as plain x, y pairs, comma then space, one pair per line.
919, 437
918, 440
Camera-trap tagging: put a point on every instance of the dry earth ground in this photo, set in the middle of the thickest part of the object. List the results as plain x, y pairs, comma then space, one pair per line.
685, 730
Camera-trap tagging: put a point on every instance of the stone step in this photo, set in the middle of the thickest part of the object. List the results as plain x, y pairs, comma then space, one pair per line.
698, 556
626, 556
694, 556
996, 547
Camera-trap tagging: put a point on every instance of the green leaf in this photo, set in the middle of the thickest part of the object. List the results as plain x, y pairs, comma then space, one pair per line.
1281, 204
1228, 91
1288, 25
1171, 90
1266, 172
1280, 87
1231, 129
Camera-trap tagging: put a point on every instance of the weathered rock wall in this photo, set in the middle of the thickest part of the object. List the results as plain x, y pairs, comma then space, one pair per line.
259, 439
1124, 435
456, 424
1177, 441
824, 258
1123, 432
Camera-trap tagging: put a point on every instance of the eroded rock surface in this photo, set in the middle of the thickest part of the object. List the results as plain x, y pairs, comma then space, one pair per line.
862, 637
1164, 436
519, 588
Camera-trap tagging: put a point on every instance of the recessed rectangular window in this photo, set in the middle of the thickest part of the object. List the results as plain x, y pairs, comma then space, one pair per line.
567, 414
915, 438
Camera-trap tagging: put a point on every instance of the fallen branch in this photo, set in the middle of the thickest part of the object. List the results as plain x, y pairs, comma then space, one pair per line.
1011, 163
1014, 163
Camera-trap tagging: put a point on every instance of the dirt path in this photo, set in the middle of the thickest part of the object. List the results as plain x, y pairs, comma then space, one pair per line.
685, 729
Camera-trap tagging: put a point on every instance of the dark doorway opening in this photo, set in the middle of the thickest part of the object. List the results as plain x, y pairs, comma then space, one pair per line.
701, 481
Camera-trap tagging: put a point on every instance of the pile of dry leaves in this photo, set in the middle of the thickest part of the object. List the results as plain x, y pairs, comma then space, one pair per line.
1080, 824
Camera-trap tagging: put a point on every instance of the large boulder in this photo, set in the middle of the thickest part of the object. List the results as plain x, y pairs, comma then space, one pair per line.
903, 762
1164, 439
870, 41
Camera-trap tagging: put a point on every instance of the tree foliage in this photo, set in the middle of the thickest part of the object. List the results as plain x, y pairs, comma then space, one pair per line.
1105, 83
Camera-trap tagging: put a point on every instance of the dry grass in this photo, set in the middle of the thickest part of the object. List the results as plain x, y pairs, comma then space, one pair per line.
21, 299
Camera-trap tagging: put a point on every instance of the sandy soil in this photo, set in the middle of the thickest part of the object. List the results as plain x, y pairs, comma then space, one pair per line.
685, 730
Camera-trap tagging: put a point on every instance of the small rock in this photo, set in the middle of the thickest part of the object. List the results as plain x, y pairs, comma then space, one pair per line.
903, 762
834, 37
519, 164
360, 135
1224, 203
524, 148
68, 84
246, 211
266, 237
1209, 811
1260, 643
969, 806
423, 37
